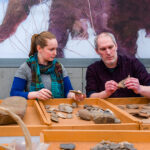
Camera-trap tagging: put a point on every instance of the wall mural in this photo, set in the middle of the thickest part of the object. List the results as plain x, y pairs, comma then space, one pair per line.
75, 24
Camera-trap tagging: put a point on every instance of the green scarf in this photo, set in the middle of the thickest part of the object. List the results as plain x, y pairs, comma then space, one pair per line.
53, 68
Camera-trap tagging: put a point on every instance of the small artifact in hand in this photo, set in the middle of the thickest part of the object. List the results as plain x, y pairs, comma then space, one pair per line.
76, 92
121, 83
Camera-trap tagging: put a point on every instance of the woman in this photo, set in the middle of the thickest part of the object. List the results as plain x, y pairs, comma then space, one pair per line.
42, 76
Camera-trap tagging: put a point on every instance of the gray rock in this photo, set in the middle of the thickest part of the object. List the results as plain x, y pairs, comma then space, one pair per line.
61, 115
65, 108
85, 114
121, 106
117, 120
132, 106
69, 146
109, 112
69, 116
47, 106
103, 118
54, 117
74, 105
15, 104
107, 145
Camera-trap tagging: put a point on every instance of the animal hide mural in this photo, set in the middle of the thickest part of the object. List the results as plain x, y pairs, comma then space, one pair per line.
75, 24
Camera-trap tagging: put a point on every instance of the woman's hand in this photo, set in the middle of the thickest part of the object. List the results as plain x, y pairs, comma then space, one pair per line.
43, 94
110, 87
77, 96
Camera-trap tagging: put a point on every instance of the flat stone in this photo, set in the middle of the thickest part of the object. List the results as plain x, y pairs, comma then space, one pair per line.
103, 118
121, 106
47, 106
121, 83
146, 107
74, 105
109, 112
107, 145
144, 115
54, 117
133, 111
117, 120
85, 114
15, 104
68, 146
65, 108
69, 116
132, 106
61, 115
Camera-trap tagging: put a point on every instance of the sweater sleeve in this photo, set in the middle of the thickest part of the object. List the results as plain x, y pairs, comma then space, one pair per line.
18, 88
67, 85
140, 72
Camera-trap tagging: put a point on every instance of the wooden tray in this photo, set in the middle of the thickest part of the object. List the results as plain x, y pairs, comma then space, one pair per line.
86, 139
135, 100
34, 120
127, 121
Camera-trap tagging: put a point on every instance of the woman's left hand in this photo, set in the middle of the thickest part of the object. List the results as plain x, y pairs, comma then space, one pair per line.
76, 96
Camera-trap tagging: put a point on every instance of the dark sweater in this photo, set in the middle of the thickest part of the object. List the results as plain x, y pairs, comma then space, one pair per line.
97, 74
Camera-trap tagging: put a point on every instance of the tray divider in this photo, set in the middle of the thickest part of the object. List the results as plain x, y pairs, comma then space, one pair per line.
41, 113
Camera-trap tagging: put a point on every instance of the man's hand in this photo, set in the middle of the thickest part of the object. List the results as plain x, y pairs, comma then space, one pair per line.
133, 84
110, 87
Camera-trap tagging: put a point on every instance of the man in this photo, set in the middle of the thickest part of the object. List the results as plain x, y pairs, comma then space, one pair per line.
103, 76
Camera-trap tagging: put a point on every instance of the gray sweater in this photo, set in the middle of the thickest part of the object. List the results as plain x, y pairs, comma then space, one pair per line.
24, 72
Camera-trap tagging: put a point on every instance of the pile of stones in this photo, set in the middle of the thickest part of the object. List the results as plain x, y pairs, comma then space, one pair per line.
63, 111
98, 115
107, 145
89, 112
141, 111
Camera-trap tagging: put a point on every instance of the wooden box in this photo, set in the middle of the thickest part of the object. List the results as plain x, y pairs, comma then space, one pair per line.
135, 100
34, 120
127, 121
86, 139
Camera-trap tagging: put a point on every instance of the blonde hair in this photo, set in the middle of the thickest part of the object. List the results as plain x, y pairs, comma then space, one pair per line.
40, 39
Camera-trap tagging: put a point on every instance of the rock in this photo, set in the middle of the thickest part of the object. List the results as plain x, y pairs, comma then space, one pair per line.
107, 145
65, 108
69, 146
117, 120
74, 105
54, 117
132, 106
103, 118
15, 104
69, 116
145, 111
47, 106
50, 110
85, 114
146, 107
121, 83
121, 106
109, 112
133, 111
61, 115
